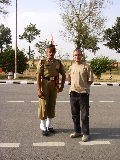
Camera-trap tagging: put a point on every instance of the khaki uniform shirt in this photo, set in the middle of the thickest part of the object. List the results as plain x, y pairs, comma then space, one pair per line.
50, 68
79, 75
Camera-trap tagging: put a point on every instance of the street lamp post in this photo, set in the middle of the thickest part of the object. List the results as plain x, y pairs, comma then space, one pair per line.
16, 74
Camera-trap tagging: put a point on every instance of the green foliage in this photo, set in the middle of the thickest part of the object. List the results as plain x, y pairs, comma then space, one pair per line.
100, 65
41, 46
7, 61
30, 33
83, 22
112, 36
5, 36
84, 57
4, 3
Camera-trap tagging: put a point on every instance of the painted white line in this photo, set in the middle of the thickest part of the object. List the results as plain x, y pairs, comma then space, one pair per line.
49, 144
103, 84
115, 84
106, 101
34, 101
24, 82
15, 101
56, 101
96, 85
5, 145
9, 82
94, 142
63, 101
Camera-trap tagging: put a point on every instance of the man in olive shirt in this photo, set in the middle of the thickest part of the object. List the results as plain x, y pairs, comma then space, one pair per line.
48, 71
80, 77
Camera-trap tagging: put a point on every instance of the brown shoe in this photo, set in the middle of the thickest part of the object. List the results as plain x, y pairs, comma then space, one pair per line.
74, 135
85, 138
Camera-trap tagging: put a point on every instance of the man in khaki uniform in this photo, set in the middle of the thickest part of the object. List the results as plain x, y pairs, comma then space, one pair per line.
80, 77
48, 71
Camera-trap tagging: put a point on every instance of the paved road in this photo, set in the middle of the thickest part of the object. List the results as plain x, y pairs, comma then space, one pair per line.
21, 139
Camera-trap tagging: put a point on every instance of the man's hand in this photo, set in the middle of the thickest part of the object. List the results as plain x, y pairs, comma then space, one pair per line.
60, 89
40, 94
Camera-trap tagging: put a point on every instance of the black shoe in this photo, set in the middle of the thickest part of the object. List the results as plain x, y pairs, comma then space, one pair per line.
45, 133
51, 130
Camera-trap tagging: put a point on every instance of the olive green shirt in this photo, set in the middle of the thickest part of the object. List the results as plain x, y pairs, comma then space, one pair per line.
50, 68
79, 75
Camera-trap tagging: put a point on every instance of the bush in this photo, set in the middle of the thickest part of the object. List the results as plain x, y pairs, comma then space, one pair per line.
100, 65
7, 61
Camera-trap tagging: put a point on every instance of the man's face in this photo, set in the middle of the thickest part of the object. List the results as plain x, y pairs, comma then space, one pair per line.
50, 54
77, 56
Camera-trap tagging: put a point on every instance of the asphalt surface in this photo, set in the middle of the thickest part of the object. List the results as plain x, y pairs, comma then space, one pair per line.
21, 138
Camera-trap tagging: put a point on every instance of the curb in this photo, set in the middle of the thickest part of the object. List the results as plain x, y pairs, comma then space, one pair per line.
66, 83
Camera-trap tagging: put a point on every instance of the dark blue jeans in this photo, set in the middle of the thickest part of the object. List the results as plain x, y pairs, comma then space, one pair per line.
80, 104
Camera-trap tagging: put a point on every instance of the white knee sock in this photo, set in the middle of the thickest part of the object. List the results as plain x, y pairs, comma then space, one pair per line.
43, 124
49, 123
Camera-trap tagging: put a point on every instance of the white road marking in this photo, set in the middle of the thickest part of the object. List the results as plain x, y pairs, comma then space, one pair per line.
106, 101
41, 144
59, 101
94, 142
34, 101
56, 101
24, 82
63, 101
9, 82
9, 145
14, 101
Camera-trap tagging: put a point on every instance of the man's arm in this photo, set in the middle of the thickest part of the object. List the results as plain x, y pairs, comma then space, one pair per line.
62, 82
69, 76
40, 93
90, 76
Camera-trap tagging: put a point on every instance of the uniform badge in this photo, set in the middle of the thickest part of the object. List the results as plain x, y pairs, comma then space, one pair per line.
57, 66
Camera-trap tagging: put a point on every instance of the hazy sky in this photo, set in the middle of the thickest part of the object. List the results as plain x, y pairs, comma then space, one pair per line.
45, 14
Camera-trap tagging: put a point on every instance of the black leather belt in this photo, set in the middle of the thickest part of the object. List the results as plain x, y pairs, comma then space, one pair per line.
49, 78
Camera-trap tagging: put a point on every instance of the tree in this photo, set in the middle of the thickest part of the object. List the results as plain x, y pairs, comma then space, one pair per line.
41, 46
5, 36
101, 64
30, 33
2, 4
7, 61
83, 22
112, 36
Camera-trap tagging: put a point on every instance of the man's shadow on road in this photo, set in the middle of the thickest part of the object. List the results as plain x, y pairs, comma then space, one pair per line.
97, 133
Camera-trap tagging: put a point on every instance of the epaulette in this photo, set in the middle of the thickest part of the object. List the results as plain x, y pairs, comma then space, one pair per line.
41, 61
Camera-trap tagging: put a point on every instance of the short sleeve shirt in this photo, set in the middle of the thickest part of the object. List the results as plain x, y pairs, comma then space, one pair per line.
79, 77
50, 68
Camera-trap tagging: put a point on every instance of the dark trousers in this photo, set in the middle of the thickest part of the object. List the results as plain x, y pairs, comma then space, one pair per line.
80, 104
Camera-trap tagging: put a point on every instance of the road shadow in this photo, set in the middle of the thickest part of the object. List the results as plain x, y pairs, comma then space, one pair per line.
97, 133
104, 133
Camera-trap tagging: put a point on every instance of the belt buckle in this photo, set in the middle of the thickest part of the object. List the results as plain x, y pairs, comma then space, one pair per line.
51, 78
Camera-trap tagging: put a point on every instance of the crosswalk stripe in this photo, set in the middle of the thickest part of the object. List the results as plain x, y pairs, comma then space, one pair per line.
59, 101
94, 142
106, 101
41, 144
56, 101
14, 101
9, 145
